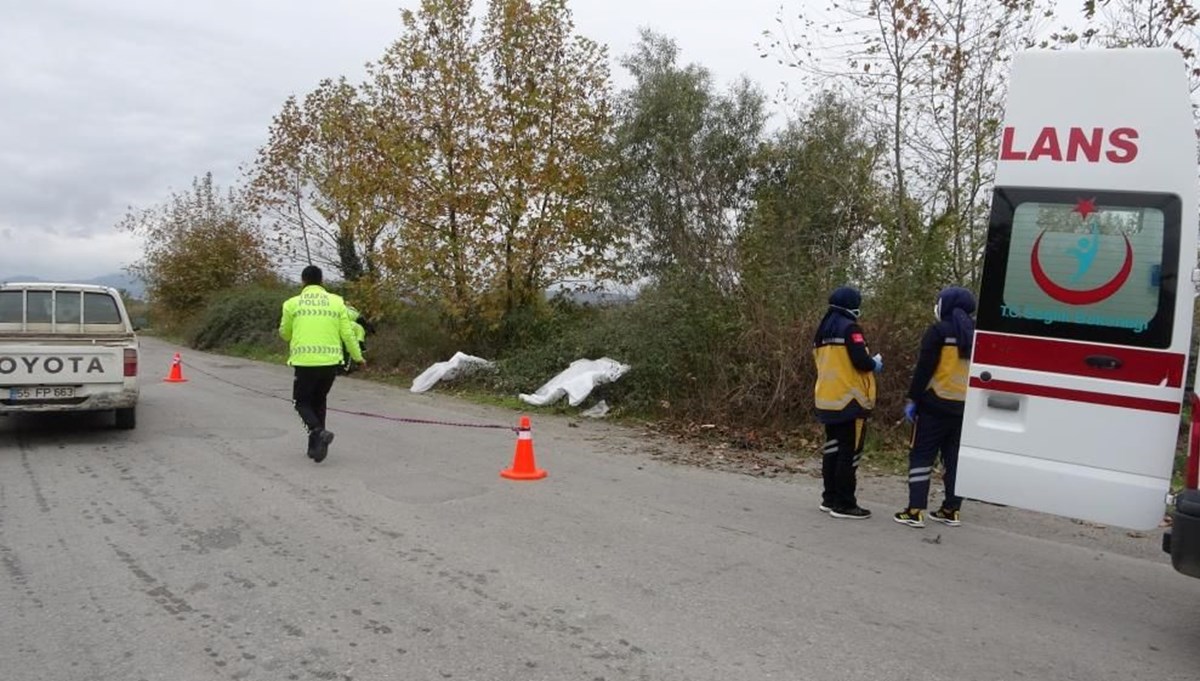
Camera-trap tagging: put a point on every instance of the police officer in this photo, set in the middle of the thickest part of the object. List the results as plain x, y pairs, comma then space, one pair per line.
935, 406
362, 327
316, 325
845, 396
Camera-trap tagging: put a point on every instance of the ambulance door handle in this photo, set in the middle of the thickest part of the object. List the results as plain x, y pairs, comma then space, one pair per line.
1103, 362
1004, 402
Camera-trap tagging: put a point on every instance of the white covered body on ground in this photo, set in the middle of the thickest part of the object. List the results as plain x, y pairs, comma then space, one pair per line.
461, 364
577, 381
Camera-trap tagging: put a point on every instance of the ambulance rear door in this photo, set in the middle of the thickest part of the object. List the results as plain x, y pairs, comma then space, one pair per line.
1085, 307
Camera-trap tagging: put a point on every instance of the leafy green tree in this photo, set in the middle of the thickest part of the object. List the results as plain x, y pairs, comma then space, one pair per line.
428, 93
817, 198
489, 143
684, 161
546, 125
197, 243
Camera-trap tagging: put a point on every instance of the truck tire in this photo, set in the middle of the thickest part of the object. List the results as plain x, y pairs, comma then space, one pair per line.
127, 418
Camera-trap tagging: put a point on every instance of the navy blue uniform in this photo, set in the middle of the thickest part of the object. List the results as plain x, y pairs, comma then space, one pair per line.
844, 396
938, 389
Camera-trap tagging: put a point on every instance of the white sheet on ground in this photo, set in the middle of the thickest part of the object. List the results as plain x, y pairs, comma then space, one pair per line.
457, 366
577, 381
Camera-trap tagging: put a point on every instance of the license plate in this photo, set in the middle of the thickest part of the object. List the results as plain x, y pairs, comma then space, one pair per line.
41, 393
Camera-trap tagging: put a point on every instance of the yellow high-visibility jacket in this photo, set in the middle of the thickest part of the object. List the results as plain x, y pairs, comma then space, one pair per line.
317, 325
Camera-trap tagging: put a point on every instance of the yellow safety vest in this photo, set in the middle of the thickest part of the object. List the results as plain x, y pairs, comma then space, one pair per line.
360, 331
949, 380
839, 383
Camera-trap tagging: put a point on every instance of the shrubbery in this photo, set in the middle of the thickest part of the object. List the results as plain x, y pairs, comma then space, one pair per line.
407, 341
243, 317
697, 354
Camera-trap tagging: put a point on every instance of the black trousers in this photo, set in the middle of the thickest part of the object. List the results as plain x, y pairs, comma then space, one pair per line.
839, 465
310, 388
934, 434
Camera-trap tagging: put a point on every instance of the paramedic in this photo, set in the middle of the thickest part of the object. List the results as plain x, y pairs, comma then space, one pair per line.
935, 406
844, 396
316, 326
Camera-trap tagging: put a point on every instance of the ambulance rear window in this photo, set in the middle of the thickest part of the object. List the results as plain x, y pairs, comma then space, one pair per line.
1082, 265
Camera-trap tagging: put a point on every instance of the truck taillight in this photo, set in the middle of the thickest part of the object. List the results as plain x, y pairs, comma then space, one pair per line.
1191, 476
131, 363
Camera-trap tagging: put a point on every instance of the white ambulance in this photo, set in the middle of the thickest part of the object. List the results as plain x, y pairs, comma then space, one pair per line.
1085, 309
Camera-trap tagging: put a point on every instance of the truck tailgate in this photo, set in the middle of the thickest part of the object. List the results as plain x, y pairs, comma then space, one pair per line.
59, 363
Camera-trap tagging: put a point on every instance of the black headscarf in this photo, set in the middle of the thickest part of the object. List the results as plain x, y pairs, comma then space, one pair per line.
844, 302
955, 306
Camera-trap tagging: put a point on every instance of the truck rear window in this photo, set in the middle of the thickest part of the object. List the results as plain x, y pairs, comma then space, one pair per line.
69, 309
39, 307
100, 308
11, 307
1082, 265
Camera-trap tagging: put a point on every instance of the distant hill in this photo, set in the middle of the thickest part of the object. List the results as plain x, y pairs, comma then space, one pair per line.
117, 280
134, 286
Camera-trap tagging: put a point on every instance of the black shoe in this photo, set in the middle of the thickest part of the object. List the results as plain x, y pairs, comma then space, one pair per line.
321, 448
855, 513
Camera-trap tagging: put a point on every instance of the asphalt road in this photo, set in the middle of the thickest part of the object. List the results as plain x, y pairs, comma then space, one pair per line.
205, 545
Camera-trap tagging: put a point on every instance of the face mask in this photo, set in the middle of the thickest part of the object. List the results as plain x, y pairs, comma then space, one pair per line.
937, 310
856, 312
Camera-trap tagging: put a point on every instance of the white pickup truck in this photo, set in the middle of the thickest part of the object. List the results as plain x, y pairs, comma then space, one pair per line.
67, 347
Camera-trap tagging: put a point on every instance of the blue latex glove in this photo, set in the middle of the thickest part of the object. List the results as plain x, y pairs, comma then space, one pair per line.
878, 362
910, 411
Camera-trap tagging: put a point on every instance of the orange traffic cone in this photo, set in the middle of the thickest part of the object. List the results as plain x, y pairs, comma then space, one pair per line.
176, 375
523, 466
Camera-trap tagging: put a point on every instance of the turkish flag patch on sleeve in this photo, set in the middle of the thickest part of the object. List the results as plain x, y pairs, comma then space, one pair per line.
857, 337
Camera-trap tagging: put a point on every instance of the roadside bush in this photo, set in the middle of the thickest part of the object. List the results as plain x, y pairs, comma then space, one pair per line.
246, 317
551, 337
676, 336
681, 339
407, 340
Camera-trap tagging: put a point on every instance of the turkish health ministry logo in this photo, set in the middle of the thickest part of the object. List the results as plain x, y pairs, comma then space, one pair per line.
1085, 253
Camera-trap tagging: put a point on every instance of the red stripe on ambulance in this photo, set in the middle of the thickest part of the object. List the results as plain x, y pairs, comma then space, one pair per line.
1145, 367
1107, 399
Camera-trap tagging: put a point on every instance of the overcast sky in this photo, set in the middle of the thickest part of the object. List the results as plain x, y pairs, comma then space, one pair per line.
106, 104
